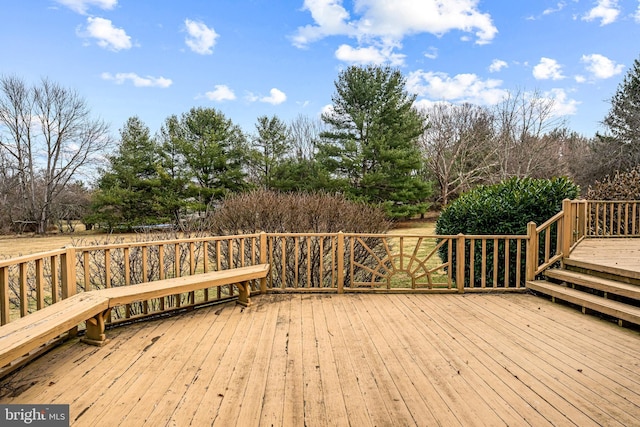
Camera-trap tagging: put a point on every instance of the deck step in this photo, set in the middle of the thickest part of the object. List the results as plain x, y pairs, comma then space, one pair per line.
594, 282
611, 308
606, 271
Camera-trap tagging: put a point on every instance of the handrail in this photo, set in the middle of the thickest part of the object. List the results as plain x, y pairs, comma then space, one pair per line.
31, 257
326, 262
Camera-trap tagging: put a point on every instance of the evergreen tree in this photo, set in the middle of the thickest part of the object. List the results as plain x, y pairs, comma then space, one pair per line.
621, 147
271, 145
371, 149
129, 191
214, 151
173, 173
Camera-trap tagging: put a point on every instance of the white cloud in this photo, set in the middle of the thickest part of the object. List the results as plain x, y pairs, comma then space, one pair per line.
548, 69
497, 65
201, 38
383, 24
561, 5
220, 93
580, 78
636, 16
137, 80
108, 36
459, 88
431, 53
276, 96
600, 66
562, 105
81, 6
605, 10
330, 17
369, 55
251, 97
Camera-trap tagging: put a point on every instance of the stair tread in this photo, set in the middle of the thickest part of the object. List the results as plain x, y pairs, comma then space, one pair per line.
609, 269
593, 302
595, 282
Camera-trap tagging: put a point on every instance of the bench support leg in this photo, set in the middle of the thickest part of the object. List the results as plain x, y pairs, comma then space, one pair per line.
95, 330
244, 291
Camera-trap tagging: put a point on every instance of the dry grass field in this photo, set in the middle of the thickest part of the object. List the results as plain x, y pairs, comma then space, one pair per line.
16, 245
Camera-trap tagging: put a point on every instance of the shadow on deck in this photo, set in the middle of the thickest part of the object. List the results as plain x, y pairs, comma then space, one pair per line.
358, 359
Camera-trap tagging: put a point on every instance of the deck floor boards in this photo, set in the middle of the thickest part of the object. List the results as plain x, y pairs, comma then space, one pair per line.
617, 253
355, 359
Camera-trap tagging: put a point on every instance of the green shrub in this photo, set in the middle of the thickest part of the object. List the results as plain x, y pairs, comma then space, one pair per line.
504, 208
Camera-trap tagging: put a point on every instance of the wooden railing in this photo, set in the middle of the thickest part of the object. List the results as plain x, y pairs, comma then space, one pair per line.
300, 262
612, 218
126, 264
29, 283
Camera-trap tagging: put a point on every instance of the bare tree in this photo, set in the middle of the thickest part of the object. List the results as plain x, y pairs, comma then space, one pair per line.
305, 133
459, 147
48, 137
524, 120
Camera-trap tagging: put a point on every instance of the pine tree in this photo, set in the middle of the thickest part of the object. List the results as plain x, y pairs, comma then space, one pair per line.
214, 151
371, 148
129, 191
621, 147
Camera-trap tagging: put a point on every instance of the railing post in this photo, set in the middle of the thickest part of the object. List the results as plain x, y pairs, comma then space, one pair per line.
68, 271
263, 260
460, 262
340, 257
532, 251
567, 228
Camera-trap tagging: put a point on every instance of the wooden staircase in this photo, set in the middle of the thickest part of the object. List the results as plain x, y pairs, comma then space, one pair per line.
613, 292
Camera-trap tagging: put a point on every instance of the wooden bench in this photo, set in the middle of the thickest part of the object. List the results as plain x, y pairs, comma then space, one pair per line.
161, 288
23, 335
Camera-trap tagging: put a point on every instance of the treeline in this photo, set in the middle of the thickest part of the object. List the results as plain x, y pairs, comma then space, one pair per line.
373, 146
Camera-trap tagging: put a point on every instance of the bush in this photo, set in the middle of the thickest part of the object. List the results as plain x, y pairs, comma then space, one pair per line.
503, 208
622, 186
274, 212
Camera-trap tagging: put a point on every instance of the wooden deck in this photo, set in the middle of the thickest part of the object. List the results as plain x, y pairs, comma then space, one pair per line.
617, 255
356, 359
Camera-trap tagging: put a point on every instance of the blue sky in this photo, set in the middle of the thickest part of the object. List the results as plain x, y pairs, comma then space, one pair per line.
263, 57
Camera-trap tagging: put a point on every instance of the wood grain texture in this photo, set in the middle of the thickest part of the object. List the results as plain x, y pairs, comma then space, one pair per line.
354, 359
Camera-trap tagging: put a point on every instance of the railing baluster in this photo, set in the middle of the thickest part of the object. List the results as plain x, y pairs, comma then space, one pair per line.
483, 271
518, 261
87, 274
145, 264
296, 260
495, 262
472, 262
22, 280
507, 255
39, 283
321, 267
127, 279
283, 252
309, 281
55, 282
5, 308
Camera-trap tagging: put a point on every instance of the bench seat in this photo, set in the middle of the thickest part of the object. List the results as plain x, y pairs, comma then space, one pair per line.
162, 288
19, 337
23, 335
